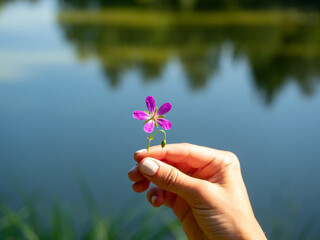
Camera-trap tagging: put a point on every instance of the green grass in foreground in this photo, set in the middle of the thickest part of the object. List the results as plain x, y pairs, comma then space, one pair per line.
134, 222
26, 223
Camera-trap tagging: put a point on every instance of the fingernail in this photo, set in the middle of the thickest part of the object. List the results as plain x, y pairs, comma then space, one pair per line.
141, 150
133, 168
149, 167
153, 199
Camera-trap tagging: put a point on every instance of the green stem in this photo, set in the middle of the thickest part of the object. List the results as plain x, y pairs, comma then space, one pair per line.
152, 136
165, 135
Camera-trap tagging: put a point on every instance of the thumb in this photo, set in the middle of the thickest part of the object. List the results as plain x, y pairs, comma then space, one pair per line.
169, 178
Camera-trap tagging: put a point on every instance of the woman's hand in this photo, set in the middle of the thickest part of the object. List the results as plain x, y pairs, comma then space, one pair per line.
204, 188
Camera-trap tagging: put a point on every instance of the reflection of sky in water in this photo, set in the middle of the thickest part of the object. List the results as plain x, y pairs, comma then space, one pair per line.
30, 41
60, 117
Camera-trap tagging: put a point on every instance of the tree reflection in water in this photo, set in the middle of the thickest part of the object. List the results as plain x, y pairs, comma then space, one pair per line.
193, 4
281, 47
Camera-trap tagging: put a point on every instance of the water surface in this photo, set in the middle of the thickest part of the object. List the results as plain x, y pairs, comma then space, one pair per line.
68, 88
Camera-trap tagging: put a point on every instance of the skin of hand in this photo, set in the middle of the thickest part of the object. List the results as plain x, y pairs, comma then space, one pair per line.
204, 188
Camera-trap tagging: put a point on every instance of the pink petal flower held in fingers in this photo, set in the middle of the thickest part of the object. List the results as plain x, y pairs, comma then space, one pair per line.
153, 117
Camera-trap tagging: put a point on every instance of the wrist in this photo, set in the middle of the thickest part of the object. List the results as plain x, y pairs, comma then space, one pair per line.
252, 230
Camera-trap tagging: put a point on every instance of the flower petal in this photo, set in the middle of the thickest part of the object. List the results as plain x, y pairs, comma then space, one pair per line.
140, 115
164, 123
148, 127
166, 107
151, 104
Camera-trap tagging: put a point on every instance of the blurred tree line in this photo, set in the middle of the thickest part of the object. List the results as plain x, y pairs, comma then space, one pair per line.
195, 4
278, 52
281, 46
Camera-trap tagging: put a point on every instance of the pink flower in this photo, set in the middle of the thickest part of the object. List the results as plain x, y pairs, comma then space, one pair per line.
154, 116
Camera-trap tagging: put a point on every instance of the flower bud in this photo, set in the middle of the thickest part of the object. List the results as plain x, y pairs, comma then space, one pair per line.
163, 143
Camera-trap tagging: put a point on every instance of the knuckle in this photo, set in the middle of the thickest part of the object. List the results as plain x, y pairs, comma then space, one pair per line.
171, 178
230, 155
231, 158
186, 145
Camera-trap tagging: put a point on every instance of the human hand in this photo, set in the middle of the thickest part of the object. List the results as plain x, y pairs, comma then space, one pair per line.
203, 187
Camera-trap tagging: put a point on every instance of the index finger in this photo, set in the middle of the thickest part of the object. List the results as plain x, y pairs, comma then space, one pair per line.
193, 155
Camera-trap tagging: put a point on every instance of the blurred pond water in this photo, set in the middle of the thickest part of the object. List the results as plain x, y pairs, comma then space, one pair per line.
243, 81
